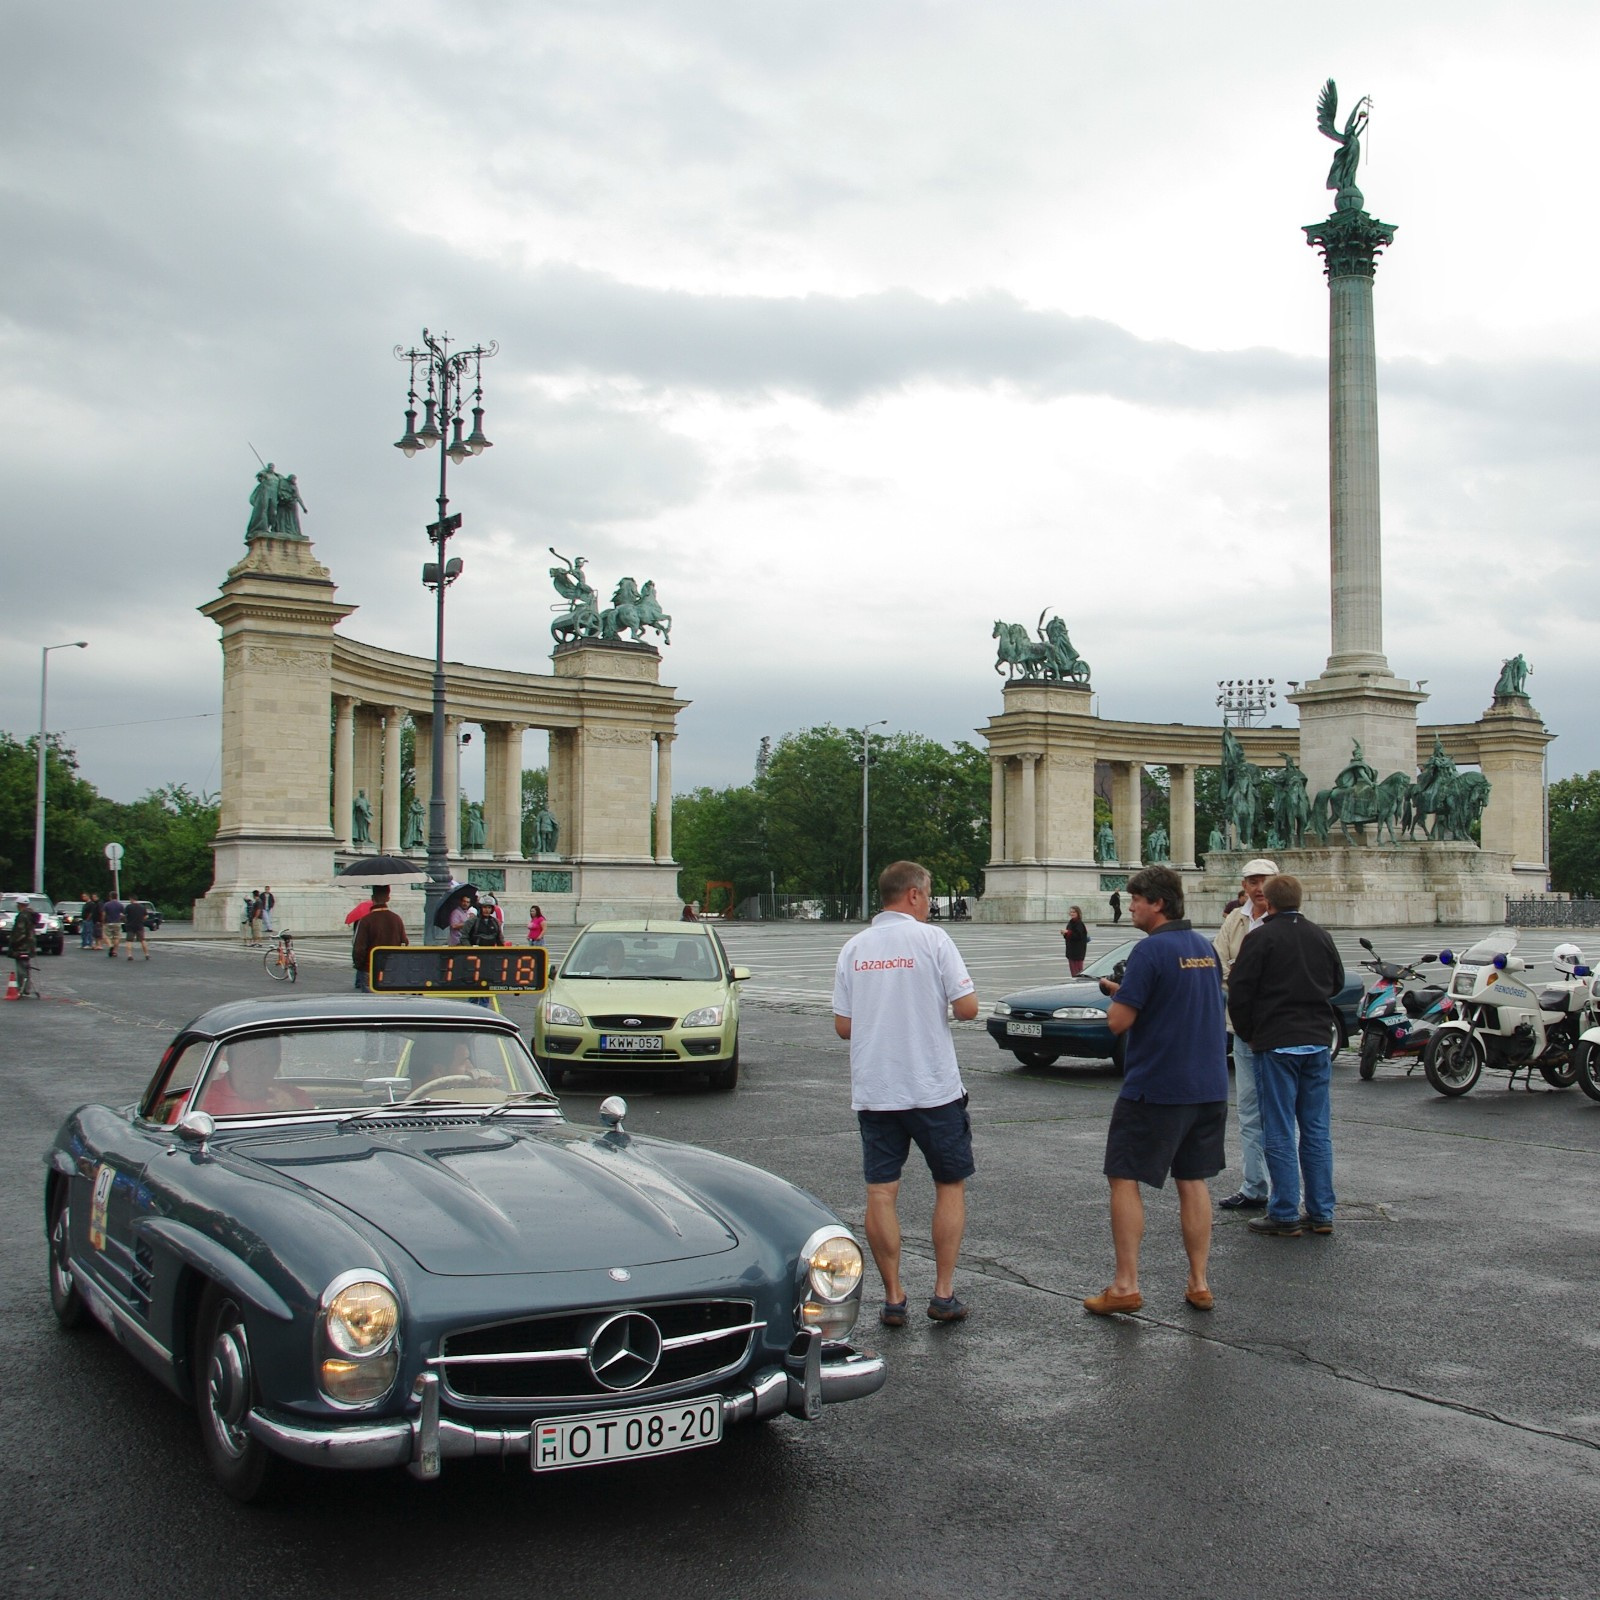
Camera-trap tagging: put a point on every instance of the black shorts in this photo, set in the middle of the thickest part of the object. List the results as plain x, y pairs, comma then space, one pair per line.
1147, 1140
942, 1133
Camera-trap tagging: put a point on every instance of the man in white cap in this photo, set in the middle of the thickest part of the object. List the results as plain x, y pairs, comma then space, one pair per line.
1254, 1188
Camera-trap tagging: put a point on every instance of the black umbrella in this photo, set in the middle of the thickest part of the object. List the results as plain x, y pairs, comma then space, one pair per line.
452, 902
382, 869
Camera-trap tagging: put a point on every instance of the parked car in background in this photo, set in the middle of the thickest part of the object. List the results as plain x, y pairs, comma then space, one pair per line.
357, 1232
1039, 1026
644, 994
47, 929
71, 914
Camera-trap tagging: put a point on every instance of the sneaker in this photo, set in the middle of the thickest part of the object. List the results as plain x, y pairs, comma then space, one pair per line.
1275, 1227
893, 1314
1243, 1202
947, 1309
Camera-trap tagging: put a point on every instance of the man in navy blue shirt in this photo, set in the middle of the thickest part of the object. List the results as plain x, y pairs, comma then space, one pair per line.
1173, 1108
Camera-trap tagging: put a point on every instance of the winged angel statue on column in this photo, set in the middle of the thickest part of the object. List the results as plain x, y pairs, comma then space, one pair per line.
1342, 174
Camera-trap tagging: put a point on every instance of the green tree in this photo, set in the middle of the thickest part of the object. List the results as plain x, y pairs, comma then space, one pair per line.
719, 835
1575, 834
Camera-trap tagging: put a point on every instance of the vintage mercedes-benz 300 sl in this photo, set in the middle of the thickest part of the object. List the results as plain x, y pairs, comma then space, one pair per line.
357, 1232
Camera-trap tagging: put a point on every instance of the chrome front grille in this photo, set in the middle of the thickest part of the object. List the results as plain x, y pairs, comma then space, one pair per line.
547, 1358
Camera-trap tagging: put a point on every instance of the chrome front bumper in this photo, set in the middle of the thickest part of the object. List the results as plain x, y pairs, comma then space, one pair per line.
810, 1377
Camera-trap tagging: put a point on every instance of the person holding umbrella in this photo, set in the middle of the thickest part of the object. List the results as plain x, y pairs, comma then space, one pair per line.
380, 926
455, 909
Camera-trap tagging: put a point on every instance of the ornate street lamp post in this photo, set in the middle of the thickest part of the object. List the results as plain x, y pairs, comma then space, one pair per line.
38, 804
866, 767
444, 408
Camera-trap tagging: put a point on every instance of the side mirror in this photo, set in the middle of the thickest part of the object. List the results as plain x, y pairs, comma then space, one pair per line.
550, 971
739, 974
195, 1128
1366, 944
1423, 961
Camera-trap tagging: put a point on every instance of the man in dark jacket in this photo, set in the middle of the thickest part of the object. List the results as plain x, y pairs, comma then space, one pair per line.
380, 926
1280, 994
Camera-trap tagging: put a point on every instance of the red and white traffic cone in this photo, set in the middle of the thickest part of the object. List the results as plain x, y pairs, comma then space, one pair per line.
12, 992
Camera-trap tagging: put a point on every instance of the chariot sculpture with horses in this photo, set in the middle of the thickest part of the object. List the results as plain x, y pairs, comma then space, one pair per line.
1048, 658
631, 611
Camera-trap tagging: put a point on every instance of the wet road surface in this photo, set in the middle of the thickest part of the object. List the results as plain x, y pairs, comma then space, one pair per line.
1407, 1408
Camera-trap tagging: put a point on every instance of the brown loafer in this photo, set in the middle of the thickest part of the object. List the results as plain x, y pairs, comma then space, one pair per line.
1109, 1301
1200, 1299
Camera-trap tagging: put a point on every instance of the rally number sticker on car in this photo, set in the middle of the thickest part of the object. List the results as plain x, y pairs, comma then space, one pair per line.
630, 1041
1026, 1030
625, 1435
99, 1202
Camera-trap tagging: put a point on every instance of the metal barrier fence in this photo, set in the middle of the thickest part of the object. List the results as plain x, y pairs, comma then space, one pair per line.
1552, 911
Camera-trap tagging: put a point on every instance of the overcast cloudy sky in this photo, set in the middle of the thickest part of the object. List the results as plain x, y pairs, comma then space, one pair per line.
855, 325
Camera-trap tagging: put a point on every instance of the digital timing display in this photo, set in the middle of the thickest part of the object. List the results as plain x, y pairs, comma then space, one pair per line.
456, 968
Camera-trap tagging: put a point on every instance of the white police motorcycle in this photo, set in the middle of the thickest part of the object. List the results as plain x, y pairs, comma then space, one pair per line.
1506, 1023
1586, 1058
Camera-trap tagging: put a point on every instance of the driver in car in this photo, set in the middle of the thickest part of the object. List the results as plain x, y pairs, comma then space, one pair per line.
249, 1081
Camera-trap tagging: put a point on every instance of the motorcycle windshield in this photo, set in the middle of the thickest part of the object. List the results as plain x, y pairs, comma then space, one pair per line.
1499, 943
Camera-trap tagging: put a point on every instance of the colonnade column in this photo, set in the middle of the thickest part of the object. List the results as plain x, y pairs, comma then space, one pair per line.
1028, 807
422, 765
997, 808
664, 796
452, 785
344, 747
502, 789
1126, 810
389, 833
1180, 807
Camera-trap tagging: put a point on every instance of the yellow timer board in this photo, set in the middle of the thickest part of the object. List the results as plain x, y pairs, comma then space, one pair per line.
456, 968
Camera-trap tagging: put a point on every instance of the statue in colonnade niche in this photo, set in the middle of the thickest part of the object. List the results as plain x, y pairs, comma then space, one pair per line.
1216, 842
545, 832
1157, 847
474, 834
415, 833
1105, 843
361, 818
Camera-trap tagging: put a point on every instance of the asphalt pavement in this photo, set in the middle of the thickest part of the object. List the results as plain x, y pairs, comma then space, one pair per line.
1407, 1408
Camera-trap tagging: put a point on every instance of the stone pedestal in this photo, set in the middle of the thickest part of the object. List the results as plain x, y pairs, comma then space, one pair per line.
1339, 708
1511, 744
1348, 886
277, 612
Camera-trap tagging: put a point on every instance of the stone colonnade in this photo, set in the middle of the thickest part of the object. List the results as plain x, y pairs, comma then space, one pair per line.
312, 720
1043, 752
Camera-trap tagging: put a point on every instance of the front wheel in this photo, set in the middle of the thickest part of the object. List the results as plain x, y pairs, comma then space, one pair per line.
280, 967
1337, 1038
1453, 1061
65, 1300
727, 1077
1586, 1062
225, 1391
1371, 1052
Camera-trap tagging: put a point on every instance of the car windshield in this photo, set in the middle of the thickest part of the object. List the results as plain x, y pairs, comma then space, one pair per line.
1102, 966
346, 1070
610, 954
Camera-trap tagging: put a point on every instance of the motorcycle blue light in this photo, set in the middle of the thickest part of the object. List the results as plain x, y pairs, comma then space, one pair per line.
1447, 958
1500, 962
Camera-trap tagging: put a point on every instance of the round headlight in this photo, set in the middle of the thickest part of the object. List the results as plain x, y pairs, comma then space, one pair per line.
835, 1266
362, 1318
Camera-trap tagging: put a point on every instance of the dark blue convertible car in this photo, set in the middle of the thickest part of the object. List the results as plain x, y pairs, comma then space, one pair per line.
357, 1232
1039, 1026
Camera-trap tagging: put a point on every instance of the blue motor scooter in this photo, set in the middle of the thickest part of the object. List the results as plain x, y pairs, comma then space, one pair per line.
1396, 1021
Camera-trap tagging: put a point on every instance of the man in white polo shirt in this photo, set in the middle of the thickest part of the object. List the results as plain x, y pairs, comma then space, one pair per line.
896, 986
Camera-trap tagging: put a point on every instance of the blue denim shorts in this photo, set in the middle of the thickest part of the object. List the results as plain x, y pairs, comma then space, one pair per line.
942, 1133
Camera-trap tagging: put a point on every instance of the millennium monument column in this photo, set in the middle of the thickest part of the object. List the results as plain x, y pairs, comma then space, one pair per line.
1356, 699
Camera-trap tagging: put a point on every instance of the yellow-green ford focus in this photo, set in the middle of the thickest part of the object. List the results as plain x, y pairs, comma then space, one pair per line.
644, 994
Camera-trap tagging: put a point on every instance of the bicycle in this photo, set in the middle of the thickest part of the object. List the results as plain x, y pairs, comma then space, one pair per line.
279, 960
